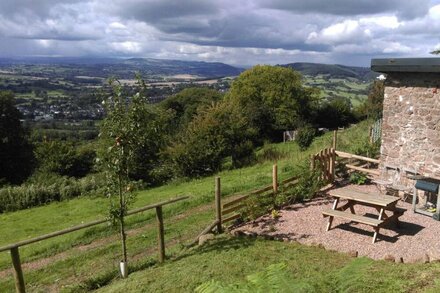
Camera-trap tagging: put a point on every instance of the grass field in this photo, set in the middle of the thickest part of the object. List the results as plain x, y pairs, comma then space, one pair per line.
353, 89
86, 259
311, 269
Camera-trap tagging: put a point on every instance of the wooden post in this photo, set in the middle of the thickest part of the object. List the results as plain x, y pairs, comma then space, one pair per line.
275, 178
335, 138
332, 164
218, 204
161, 236
18, 273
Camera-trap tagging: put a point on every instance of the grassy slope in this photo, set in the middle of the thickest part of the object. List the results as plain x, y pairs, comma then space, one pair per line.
312, 268
79, 266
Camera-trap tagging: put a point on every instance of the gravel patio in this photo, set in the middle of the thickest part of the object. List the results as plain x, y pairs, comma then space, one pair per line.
416, 240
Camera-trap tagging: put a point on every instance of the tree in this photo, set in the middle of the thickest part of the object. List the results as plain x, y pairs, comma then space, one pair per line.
185, 104
16, 155
373, 107
336, 113
64, 158
121, 137
216, 132
274, 99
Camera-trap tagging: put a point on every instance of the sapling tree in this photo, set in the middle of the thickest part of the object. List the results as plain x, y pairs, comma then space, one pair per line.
120, 136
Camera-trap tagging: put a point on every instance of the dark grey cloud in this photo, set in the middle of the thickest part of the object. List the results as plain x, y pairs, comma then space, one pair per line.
38, 8
234, 31
152, 11
407, 9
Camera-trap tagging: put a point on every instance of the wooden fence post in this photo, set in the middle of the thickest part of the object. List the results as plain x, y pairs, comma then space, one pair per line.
275, 178
218, 204
161, 236
335, 138
18, 273
332, 164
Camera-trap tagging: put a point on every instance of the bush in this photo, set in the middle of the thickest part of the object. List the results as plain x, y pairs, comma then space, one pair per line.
309, 183
305, 136
42, 189
358, 178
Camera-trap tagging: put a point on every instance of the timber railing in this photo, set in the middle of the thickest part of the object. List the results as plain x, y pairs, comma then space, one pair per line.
360, 163
14, 248
230, 210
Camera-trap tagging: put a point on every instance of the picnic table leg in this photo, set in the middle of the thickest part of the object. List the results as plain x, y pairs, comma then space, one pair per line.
352, 208
376, 229
330, 219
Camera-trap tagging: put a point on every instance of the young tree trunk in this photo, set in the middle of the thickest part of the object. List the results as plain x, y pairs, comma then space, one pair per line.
121, 221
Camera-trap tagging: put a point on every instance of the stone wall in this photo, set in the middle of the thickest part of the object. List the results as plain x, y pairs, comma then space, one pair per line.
411, 122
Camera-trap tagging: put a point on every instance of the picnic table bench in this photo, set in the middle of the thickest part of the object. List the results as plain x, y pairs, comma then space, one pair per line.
382, 203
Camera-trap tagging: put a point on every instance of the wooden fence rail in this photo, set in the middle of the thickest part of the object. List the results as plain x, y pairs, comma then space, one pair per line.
14, 248
229, 211
373, 172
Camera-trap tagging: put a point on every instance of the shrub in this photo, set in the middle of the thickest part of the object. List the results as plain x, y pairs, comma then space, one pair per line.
305, 136
358, 178
42, 189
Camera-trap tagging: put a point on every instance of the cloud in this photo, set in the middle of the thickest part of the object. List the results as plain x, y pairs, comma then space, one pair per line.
231, 31
407, 9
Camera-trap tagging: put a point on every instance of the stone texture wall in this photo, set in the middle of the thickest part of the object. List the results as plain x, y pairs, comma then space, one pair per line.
411, 122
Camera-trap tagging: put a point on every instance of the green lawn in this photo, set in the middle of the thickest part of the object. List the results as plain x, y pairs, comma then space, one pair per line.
183, 220
312, 269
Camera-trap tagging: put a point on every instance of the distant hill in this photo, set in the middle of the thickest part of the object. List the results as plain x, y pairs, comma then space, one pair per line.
170, 67
334, 70
126, 67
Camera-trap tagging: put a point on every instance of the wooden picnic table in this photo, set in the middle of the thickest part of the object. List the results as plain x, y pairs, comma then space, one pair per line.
382, 203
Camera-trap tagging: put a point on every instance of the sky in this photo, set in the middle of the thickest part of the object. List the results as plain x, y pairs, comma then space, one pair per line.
236, 32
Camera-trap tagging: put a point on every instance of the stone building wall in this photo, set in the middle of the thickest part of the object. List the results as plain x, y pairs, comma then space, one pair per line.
411, 122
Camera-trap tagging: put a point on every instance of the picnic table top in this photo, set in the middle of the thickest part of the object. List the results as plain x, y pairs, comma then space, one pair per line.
365, 197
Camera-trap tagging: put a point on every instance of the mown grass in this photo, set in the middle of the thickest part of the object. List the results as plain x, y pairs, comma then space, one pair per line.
229, 260
79, 267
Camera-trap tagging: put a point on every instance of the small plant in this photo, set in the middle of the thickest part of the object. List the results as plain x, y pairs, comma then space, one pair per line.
275, 214
358, 178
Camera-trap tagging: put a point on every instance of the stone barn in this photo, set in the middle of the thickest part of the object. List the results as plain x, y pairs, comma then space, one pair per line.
411, 113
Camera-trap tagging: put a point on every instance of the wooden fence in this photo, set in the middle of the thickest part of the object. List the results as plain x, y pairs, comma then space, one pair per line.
325, 161
14, 248
360, 163
230, 210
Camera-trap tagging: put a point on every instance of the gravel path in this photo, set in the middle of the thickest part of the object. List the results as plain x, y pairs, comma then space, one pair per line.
417, 236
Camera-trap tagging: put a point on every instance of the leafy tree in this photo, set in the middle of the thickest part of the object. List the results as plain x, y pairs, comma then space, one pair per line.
273, 98
336, 113
185, 104
16, 155
64, 158
216, 132
373, 107
122, 137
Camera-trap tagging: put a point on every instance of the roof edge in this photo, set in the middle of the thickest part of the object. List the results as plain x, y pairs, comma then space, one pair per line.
385, 65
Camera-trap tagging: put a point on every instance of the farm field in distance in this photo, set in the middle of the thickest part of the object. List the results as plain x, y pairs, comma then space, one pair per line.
72, 89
